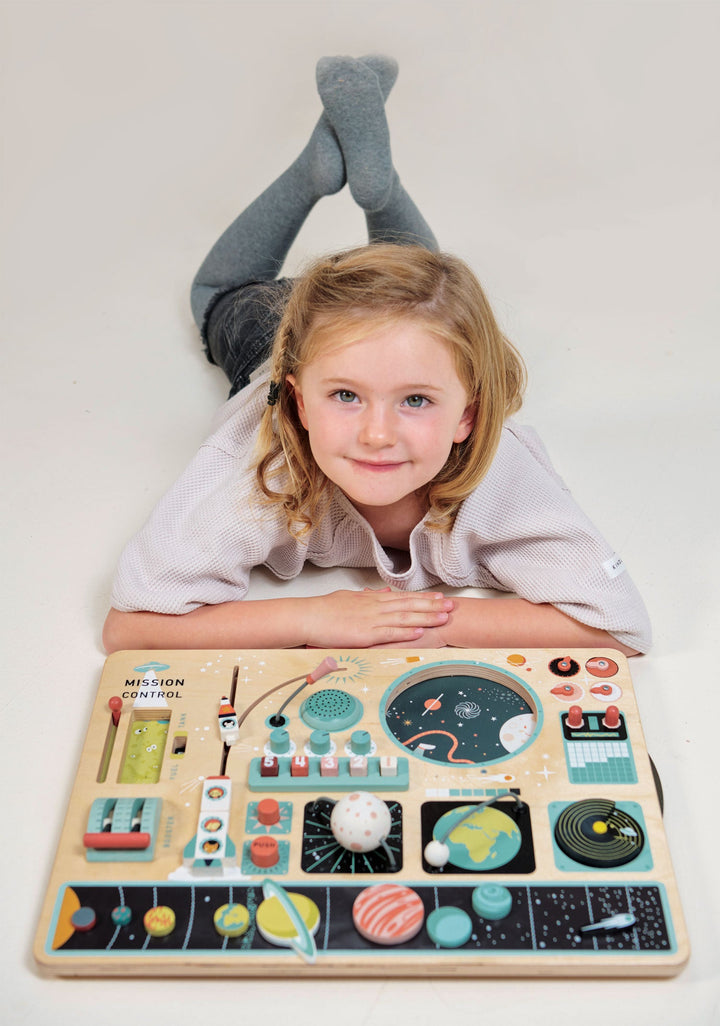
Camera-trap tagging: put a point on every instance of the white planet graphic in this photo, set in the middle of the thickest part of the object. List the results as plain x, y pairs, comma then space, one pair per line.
516, 731
360, 821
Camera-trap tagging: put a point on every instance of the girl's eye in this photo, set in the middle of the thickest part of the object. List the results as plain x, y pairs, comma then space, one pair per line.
345, 395
416, 401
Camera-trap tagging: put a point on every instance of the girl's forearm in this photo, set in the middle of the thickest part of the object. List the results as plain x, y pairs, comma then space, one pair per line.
508, 622
357, 620
267, 624
349, 619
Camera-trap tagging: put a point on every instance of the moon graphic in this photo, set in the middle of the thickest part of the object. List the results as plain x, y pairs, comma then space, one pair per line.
516, 731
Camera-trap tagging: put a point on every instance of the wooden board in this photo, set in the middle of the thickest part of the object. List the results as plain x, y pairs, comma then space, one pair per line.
573, 833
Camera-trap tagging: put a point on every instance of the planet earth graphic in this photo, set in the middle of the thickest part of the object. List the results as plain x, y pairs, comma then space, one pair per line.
487, 839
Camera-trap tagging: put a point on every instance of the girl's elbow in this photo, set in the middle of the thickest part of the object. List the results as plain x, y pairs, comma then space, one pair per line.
116, 634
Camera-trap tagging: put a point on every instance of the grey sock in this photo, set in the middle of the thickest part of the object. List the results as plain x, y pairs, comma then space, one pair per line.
325, 164
321, 162
386, 69
354, 104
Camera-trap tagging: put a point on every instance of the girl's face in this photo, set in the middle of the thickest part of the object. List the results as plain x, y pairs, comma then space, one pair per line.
382, 413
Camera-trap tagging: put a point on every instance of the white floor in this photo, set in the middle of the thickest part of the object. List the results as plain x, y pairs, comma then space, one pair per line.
568, 150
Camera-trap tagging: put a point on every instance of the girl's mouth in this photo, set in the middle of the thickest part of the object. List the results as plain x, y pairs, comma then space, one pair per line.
378, 466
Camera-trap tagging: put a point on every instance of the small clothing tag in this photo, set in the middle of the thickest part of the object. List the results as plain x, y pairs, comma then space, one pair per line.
614, 566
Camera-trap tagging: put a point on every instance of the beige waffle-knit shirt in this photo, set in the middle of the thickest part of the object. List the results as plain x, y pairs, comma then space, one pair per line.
520, 531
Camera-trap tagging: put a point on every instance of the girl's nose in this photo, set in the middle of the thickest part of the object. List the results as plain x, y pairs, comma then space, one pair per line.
377, 428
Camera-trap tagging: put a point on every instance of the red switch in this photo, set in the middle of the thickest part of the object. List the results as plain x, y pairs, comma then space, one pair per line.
268, 812
264, 852
611, 720
575, 718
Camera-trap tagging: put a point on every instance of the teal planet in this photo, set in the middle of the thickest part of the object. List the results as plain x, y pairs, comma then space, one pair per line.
487, 839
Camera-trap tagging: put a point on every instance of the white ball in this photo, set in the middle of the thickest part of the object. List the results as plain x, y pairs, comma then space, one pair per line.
360, 821
437, 854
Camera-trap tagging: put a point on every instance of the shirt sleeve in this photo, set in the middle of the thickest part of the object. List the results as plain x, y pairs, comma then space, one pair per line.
535, 541
199, 544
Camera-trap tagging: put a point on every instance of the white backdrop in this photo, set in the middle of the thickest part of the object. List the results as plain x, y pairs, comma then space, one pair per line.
569, 150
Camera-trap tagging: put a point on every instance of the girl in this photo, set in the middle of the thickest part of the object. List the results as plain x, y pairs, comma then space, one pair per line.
376, 436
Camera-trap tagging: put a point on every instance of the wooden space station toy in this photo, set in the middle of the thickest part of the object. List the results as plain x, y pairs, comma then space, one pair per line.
367, 813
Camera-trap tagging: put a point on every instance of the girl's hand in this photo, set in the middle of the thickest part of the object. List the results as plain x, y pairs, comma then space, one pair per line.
364, 619
433, 637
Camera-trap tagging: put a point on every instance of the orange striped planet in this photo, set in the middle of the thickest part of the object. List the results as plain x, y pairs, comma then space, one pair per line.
388, 913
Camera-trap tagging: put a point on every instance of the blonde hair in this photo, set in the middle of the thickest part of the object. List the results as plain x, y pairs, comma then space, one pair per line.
346, 295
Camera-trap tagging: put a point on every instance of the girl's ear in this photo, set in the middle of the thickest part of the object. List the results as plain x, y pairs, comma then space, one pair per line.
467, 423
299, 401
